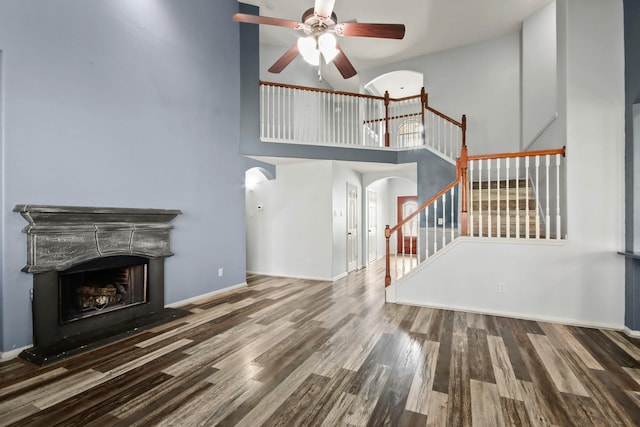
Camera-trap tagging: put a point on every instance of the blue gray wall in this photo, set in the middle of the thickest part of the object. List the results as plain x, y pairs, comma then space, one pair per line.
632, 172
123, 103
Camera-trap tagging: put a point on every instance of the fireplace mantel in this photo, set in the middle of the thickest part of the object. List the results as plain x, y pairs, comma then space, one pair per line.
59, 237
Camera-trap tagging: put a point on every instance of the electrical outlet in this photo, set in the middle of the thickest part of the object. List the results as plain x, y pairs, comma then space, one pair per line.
502, 288
220, 272
439, 221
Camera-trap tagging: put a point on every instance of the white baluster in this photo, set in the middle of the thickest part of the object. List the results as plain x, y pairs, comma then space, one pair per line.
547, 209
452, 213
262, 112
498, 224
470, 193
517, 160
488, 197
396, 257
440, 132
418, 241
508, 177
558, 223
480, 210
444, 217
426, 232
435, 226
526, 191
265, 109
537, 197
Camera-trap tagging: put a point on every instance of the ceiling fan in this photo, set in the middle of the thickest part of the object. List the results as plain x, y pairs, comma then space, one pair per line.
320, 25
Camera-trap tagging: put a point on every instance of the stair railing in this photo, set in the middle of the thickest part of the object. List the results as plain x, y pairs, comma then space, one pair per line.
516, 195
466, 206
442, 133
433, 226
305, 115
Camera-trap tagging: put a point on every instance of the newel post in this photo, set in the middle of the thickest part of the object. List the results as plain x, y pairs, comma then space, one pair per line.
387, 276
463, 163
386, 118
424, 100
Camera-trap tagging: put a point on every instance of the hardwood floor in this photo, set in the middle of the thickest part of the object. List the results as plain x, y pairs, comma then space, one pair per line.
298, 352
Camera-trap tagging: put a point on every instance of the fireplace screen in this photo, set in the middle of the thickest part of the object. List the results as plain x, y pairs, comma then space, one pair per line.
101, 286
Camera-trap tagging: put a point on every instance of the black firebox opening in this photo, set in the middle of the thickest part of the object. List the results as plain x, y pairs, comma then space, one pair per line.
102, 285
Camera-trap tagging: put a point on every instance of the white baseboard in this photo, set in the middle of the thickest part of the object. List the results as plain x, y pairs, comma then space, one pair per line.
339, 276
207, 295
631, 332
12, 354
516, 315
317, 279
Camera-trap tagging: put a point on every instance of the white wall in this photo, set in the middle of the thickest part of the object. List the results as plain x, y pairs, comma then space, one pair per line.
381, 188
481, 80
301, 228
291, 236
582, 280
554, 282
539, 75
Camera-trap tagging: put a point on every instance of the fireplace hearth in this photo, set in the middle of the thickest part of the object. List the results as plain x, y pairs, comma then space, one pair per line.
98, 275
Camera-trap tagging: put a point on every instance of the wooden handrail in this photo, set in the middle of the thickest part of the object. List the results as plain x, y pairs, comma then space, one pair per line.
314, 89
425, 204
444, 116
336, 92
562, 151
391, 118
388, 231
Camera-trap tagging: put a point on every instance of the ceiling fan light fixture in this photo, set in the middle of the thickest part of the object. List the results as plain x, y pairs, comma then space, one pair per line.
313, 58
327, 45
308, 48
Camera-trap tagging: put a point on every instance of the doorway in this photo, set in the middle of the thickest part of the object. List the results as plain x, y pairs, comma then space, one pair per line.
352, 228
408, 233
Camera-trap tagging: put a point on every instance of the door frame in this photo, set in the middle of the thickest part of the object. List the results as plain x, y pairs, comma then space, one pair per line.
405, 243
352, 232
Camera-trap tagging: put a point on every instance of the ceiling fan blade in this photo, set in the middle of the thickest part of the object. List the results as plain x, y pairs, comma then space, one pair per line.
255, 19
285, 59
323, 8
384, 31
344, 65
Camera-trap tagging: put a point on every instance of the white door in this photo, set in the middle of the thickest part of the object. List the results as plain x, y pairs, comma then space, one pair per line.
372, 219
352, 227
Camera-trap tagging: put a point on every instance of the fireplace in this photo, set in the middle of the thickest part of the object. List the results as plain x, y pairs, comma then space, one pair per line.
99, 286
98, 273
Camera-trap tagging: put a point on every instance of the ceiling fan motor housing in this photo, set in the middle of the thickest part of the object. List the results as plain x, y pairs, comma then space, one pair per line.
315, 24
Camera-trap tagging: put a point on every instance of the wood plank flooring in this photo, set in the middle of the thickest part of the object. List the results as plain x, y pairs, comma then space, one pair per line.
298, 352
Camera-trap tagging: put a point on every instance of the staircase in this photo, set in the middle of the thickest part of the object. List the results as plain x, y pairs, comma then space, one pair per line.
504, 208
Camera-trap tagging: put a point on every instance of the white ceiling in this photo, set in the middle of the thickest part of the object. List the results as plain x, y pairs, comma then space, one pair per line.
431, 25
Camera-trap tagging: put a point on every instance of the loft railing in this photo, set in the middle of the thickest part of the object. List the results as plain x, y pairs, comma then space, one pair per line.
509, 195
303, 115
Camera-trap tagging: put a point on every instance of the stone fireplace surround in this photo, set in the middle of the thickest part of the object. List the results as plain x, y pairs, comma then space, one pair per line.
64, 237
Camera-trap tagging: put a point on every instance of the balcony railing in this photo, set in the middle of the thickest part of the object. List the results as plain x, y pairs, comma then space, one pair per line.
304, 115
